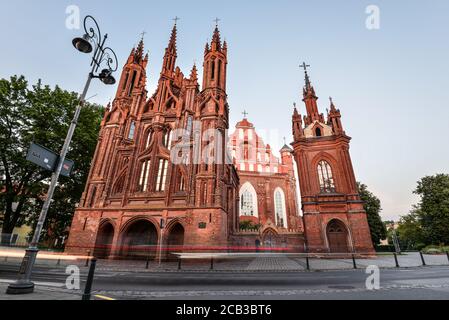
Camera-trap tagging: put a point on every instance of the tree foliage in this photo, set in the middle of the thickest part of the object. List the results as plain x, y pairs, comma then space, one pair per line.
42, 115
428, 221
373, 208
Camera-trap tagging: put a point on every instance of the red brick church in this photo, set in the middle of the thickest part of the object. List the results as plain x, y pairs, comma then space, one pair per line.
167, 177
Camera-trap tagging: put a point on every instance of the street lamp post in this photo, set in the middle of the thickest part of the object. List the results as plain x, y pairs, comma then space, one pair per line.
103, 56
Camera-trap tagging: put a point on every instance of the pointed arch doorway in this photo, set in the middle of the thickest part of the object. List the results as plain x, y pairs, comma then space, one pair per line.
337, 236
103, 244
175, 240
139, 240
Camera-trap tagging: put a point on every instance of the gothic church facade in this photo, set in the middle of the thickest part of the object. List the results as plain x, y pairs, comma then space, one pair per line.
139, 202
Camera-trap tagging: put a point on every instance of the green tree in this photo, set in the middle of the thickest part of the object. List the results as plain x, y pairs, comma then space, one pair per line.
433, 209
42, 115
409, 231
372, 207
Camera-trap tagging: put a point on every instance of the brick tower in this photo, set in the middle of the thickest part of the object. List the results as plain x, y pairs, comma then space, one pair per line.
334, 218
138, 200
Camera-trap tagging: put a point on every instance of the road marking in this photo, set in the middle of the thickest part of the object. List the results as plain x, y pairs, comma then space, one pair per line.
103, 297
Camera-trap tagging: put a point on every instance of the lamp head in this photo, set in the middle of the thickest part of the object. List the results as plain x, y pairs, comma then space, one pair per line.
106, 77
82, 44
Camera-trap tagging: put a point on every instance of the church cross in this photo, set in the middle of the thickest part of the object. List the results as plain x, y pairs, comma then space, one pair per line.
216, 21
304, 66
176, 19
143, 34
245, 114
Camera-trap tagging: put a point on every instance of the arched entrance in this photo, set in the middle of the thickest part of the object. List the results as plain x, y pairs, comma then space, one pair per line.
175, 239
139, 241
269, 239
337, 236
103, 244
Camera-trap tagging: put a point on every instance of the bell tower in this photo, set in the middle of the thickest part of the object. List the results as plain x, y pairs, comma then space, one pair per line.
215, 63
334, 217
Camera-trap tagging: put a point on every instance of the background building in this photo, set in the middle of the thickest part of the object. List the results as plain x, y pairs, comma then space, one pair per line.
267, 194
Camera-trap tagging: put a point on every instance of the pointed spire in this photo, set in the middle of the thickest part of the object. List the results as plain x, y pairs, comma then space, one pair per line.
307, 79
172, 44
333, 108
216, 41
138, 53
194, 73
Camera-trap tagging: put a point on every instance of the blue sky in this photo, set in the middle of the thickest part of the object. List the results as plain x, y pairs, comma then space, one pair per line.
391, 84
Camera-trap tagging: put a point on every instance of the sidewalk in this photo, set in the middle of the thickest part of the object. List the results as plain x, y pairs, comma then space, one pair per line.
40, 293
234, 263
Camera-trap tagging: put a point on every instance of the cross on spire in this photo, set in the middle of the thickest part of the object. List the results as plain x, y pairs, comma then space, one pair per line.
244, 114
217, 21
285, 141
305, 66
143, 34
176, 19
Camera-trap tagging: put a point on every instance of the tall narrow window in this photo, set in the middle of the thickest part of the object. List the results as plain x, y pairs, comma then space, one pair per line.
132, 129
213, 71
168, 139
326, 178
189, 126
219, 72
161, 175
279, 208
248, 201
133, 80
144, 175
246, 204
126, 81
318, 132
182, 184
149, 137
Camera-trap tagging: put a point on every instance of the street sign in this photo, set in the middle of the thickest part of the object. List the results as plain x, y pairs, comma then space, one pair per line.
48, 159
67, 168
42, 156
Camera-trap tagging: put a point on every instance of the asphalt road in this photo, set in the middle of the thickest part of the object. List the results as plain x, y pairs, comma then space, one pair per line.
410, 283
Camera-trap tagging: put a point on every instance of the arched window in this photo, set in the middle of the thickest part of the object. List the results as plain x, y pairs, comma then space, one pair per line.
279, 208
149, 137
144, 174
326, 178
318, 132
132, 129
248, 201
161, 175
133, 81
168, 139
182, 183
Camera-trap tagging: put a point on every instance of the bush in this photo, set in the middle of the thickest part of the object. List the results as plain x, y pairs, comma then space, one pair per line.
433, 249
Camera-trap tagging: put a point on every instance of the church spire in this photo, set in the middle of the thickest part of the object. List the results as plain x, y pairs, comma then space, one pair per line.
334, 118
215, 62
170, 56
194, 73
310, 99
173, 37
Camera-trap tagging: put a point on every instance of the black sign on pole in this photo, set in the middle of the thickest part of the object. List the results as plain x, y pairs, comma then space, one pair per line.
42, 156
48, 159
67, 168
